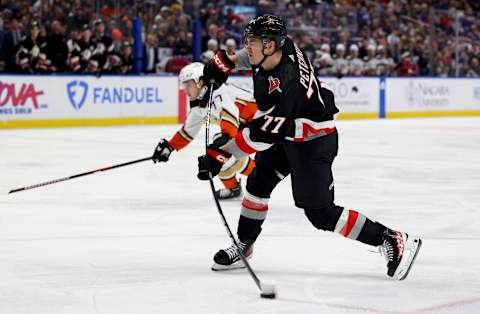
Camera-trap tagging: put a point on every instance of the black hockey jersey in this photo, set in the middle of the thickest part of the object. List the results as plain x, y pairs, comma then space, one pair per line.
81, 53
31, 55
292, 103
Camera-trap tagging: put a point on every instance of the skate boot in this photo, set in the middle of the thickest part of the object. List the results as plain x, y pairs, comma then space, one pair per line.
225, 194
400, 251
228, 259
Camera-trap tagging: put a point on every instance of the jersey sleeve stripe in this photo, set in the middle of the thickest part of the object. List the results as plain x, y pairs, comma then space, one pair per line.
225, 114
229, 128
243, 143
306, 129
185, 134
178, 141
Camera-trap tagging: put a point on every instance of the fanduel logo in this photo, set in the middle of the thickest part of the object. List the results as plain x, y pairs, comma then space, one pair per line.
77, 93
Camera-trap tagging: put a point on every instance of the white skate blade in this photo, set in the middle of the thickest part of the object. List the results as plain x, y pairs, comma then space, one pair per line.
237, 265
410, 252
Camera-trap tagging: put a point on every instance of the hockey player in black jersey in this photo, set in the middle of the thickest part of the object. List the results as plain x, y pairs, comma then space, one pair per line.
293, 134
31, 56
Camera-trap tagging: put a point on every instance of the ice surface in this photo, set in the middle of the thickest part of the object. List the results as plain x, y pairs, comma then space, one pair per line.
140, 239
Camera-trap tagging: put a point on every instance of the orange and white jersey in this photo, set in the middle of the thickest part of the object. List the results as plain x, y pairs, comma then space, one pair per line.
231, 105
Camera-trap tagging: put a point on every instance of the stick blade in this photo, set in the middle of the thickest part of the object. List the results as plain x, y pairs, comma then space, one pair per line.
268, 291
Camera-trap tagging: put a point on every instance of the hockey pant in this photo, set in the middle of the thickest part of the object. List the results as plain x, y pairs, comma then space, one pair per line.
228, 173
310, 166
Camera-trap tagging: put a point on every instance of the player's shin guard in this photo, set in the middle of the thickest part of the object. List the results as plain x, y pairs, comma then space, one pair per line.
349, 223
352, 224
253, 214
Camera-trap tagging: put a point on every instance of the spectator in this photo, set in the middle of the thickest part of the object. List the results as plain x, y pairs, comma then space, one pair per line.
384, 64
407, 67
183, 45
231, 45
212, 45
11, 41
150, 54
339, 63
82, 52
474, 68
370, 61
355, 64
399, 26
126, 54
56, 49
104, 47
207, 55
324, 65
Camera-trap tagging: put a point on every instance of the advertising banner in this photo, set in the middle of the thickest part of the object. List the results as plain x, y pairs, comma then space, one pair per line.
115, 98
432, 96
72, 100
355, 97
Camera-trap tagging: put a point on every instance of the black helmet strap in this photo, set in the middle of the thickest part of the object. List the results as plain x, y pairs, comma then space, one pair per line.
264, 46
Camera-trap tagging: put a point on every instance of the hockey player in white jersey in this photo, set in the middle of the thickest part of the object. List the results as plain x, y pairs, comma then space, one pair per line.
231, 106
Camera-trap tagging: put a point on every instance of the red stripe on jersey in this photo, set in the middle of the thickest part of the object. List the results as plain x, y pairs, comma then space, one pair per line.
242, 144
218, 156
352, 219
254, 206
309, 129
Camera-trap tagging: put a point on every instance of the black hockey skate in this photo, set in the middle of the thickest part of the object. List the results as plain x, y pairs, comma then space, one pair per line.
229, 258
225, 194
400, 251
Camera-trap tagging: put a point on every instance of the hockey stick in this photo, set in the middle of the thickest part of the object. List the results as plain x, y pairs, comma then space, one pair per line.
266, 291
78, 175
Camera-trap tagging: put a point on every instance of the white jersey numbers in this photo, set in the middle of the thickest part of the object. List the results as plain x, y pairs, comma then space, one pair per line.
278, 121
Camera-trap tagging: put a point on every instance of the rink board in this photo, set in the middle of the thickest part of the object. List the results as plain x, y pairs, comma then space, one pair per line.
68, 100
431, 97
44, 101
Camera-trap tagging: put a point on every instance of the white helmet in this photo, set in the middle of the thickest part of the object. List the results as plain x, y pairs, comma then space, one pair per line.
193, 71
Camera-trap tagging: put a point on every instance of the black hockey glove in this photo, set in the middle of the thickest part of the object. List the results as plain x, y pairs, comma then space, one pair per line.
218, 69
209, 165
162, 151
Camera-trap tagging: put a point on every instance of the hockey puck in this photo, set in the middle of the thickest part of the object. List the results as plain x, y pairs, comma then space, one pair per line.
268, 292
272, 295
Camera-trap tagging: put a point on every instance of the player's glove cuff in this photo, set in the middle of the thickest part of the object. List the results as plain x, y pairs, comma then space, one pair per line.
217, 69
209, 165
223, 62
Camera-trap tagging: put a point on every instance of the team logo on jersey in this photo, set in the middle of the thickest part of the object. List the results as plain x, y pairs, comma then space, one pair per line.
274, 84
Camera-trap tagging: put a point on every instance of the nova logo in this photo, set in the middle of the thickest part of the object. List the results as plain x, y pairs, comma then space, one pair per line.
77, 93
20, 98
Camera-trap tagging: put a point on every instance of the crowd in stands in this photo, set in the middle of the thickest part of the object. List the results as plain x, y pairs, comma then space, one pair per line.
341, 37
